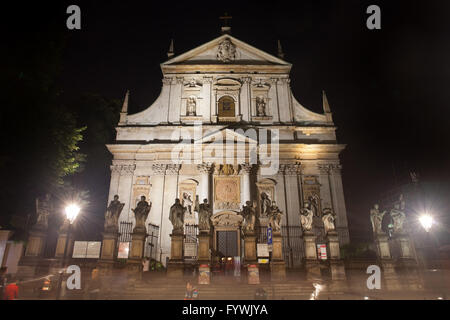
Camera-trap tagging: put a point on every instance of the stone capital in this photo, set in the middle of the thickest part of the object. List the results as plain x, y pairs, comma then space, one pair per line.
205, 168
128, 169
246, 168
172, 169
159, 169
290, 169
167, 80
115, 168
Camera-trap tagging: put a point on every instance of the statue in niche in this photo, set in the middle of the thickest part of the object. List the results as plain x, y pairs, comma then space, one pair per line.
141, 213
398, 216
187, 203
176, 216
314, 205
249, 214
226, 51
376, 217
112, 214
204, 214
260, 107
43, 209
191, 106
306, 217
275, 217
265, 205
328, 219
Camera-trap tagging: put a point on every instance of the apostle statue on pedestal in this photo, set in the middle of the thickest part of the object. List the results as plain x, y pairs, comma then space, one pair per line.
275, 217
328, 219
265, 205
112, 214
399, 217
176, 216
249, 214
376, 217
204, 215
141, 213
43, 209
306, 217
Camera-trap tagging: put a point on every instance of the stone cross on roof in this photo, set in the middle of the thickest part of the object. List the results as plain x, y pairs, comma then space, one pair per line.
226, 28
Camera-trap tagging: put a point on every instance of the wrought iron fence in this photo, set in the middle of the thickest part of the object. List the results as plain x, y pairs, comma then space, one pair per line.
151, 243
125, 230
190, 241
292, 241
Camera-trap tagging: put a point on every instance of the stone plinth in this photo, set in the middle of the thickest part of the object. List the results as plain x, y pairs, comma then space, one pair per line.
203, 247
250, 247
391, 280
277, 264
109, 253
310, 261
134, 262
36, 242
175, 267
404, 244
61, 245
382, 243
406, 264
337, 267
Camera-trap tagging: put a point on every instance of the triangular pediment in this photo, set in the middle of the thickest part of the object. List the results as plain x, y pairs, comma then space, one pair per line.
243, 54
226, 135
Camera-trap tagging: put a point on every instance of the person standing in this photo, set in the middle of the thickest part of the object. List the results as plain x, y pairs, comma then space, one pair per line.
94, 285
11, 291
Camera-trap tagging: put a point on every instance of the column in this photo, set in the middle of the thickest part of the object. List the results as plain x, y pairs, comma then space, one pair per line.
273, 100
207, 102
337, 192
205, 169
246, 99
176, 89
125, 191
246, 192
114, 184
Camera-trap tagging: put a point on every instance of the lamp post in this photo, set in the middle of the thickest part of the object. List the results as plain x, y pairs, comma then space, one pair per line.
71, 212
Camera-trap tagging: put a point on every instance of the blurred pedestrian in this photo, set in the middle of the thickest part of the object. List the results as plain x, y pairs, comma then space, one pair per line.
11, 291
189, 291
94, 285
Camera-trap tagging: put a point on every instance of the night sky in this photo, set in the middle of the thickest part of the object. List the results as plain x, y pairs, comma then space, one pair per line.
388, 89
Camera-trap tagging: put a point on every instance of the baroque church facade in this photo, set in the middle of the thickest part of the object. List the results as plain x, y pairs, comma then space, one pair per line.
227, 128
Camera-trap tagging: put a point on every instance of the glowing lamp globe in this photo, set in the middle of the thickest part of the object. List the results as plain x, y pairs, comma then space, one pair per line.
72, 211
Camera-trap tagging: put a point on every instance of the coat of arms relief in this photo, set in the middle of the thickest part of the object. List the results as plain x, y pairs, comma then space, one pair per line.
226, 51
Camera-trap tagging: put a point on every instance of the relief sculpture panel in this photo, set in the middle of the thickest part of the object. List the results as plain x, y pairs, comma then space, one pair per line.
227, 192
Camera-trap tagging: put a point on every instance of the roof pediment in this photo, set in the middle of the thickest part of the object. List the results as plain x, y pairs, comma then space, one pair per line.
225, 50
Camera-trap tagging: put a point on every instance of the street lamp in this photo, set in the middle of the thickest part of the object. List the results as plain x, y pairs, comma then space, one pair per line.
426, 221
72, 211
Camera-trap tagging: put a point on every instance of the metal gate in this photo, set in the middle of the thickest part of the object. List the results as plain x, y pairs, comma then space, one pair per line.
190, 241
151, 243
125, 231
227, 245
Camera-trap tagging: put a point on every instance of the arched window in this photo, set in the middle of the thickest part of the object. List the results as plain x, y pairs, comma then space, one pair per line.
226, 107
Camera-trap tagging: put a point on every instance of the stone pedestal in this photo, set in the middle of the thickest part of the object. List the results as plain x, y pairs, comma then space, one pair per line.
391, 280
310, 261
250, 248
382, 243
277, 264
61, 245
109, 253
406, 264
30, 261
134, 262
175, 267
203, 247
337, 267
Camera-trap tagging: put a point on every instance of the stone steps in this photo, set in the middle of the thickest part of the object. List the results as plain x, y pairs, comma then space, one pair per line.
160, 290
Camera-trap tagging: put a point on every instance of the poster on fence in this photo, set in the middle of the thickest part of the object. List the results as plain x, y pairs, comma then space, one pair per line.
124, 249
93, 249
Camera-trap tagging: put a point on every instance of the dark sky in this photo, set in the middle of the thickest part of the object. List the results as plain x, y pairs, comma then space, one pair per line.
388, 89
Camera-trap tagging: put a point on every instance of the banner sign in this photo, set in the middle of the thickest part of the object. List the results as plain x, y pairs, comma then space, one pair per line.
86, 249
124, 249
269, 235
322, 251
262, 250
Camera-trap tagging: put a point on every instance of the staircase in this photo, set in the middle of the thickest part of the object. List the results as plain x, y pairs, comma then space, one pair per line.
164, 289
